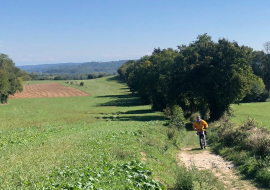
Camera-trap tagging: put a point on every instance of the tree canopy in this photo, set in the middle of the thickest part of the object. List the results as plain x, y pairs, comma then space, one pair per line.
10, 78
204, 76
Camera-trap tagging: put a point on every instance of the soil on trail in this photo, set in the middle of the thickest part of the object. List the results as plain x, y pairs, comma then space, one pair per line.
48, 90
222, 169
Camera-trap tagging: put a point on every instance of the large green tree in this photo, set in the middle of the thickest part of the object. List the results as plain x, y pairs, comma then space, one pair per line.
266, 71
10, 80
203, 76
220, 74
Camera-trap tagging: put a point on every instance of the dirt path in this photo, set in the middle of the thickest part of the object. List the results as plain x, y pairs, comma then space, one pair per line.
222, 169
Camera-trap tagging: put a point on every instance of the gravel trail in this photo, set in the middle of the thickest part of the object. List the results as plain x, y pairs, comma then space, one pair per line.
222, 169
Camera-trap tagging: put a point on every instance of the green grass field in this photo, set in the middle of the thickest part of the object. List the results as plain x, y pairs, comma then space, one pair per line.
104, 141
259, 111
88, 141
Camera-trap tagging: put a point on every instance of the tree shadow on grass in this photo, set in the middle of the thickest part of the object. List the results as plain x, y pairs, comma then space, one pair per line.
116, 78
139, 112
126, 88
121, 96
122, 103
135, 118
125, 100
128, 100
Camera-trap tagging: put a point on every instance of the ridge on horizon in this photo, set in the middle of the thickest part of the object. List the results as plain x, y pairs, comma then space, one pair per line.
74, 68
81, 62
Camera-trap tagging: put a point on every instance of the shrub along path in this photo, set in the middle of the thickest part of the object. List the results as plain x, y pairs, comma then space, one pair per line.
192, 156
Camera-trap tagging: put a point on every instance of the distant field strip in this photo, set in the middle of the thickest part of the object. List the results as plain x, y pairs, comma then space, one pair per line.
48, 90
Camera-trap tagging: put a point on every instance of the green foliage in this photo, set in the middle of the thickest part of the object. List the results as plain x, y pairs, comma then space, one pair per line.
266, 71
257, 62
4, 83
81, 83
234, 77
261, 66
92, 76
257, 92
188, 76
10, 79
122, 70
177, 117
129, 175
25, 76
34, 76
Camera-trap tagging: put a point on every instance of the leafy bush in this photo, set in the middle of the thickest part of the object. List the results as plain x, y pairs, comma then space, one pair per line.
170, 133
82, 83
129, 175
193, 116
259, 142
264, 175
232, 135
177, 117
257, 91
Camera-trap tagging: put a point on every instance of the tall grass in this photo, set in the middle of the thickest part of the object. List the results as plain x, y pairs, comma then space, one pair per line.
248, 145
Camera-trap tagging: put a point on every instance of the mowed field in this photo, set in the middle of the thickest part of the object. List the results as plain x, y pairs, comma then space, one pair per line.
47, 90
104, 141
259, 111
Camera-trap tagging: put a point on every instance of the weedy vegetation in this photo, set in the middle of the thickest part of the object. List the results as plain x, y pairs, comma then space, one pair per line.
247, 145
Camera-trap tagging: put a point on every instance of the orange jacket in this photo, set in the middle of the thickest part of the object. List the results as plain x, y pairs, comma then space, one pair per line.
200, 126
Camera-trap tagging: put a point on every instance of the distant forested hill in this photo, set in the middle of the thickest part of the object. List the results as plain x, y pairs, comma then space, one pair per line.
74, 68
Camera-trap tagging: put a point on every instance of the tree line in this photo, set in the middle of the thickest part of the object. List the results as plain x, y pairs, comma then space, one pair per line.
204, 76
35, 76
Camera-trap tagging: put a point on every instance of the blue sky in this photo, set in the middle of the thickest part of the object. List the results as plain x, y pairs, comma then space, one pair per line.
57, 31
